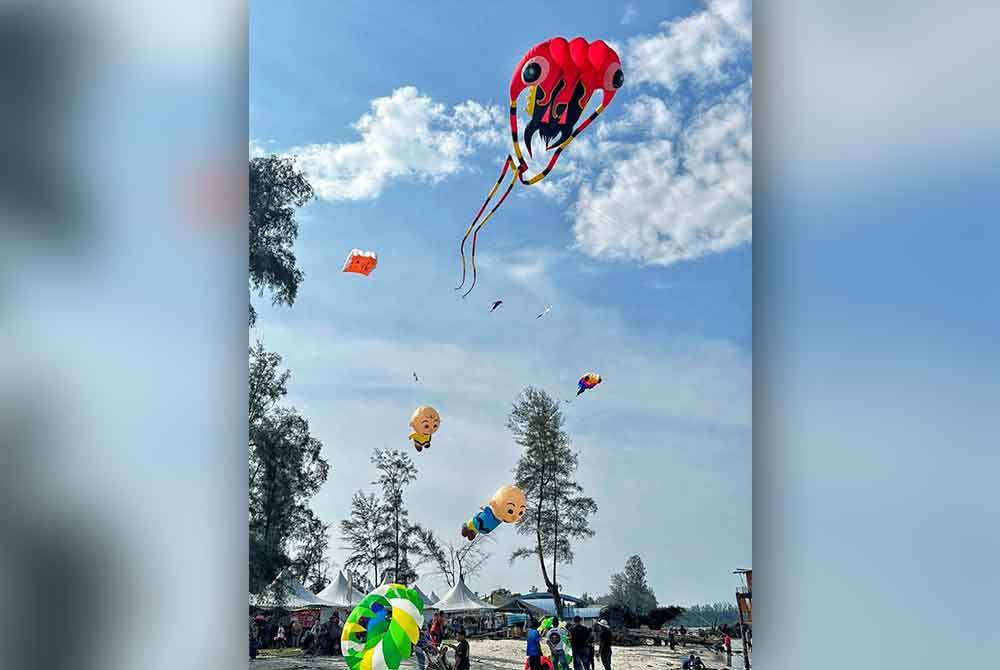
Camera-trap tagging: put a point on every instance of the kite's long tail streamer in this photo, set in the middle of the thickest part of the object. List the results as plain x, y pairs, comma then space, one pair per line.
506, 166
475, 235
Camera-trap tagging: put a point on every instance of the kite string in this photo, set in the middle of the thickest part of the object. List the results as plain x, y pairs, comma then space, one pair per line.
508, 162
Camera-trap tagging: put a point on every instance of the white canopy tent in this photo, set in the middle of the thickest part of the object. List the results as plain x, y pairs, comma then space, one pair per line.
340, 593
461, 599
462, 604
428, 602
434, 597
287, 592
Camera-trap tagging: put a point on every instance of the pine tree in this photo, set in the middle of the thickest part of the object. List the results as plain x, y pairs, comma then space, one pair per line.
558, 512
396, 472
310, 564
629, 588
276, 186
286, 468
366, 535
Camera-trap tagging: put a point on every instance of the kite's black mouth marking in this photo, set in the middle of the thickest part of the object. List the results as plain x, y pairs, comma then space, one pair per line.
558, 125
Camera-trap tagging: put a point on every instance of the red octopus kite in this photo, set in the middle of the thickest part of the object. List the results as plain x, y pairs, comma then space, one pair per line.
560, 77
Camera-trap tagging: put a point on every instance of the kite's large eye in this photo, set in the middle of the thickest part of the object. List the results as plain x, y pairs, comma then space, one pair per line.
535, 70
614, 78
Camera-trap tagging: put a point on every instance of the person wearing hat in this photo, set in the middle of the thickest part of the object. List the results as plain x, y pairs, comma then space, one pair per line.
604, 643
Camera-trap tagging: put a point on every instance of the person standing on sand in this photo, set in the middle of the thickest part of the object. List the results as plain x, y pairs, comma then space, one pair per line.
604, 638
279, 637
727, 643
462, 651
579, 637
335, 631
534, 649
437, 629
554, 639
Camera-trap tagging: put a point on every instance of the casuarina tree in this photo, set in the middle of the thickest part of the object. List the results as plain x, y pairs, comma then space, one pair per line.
367, 537
276, 188
396, 472
629, 588
558, 510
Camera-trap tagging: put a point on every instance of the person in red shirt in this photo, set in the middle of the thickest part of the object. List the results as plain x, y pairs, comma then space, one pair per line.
437, 629
727, 642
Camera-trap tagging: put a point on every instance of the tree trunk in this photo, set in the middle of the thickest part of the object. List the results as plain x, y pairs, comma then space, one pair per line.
554, 589
396, 548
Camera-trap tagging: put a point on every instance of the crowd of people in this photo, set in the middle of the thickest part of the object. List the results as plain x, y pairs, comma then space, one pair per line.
582, 641
320, 639
587, 644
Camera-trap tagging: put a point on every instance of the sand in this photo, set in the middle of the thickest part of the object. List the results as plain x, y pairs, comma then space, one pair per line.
509, 655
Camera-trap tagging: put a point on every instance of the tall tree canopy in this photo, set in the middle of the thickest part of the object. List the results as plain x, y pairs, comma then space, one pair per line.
310, 564
451, 560
276, 187
629, 588
558, 510
396, 472
286, 468
367, 537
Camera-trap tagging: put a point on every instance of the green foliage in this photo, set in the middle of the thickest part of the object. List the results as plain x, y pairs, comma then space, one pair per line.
358, 580
558, 512
286, 468
451, 560
367, 538
629, 588
660, 616
713, 614
396, 472
276, 187
310, 565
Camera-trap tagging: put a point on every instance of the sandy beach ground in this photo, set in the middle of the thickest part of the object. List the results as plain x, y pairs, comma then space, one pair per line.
509, 655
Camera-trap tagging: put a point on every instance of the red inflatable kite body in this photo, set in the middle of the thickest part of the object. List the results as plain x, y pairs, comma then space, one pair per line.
560, 78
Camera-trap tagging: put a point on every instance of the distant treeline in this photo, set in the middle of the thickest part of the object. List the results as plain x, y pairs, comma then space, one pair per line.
708, 615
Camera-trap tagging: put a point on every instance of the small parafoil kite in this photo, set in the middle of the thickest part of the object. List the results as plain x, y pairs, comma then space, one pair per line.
361, 262
587, 382
507, 505
560, 78
425, 421
380, 632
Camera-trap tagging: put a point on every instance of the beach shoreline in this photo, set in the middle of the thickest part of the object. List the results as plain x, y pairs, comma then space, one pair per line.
509, 655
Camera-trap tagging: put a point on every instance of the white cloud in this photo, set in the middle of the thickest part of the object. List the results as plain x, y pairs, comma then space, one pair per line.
526, 266
406, 135
700, 48
669, 177
663, 205
646, 115
630, 14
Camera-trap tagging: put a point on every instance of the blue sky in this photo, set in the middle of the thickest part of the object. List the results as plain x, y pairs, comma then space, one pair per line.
640, 240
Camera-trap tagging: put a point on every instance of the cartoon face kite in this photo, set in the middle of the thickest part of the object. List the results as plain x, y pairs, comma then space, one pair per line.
587, 382
560, 77
507, 505
424, 422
